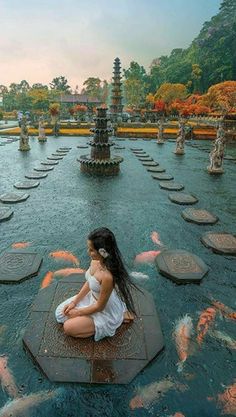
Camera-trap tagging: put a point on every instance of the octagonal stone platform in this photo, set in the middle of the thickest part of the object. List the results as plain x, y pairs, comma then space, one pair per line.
162, 177
156, 169
146, 159
181, 266
36, 175
199, 216
171, 186
182, 198
13, 197
5, 213
220, 242
18, 265
114, 360
26, 185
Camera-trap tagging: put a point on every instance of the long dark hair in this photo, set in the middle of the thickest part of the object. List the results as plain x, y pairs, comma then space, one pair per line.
104, 238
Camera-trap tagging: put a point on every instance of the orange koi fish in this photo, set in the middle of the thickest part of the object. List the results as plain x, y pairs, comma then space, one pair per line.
47, 279
147, 257
68, 271
156, 238
65, 256
205, 320
20, 245
227, 400
22, 405
7, 379
226, 311
177, 415
183, 333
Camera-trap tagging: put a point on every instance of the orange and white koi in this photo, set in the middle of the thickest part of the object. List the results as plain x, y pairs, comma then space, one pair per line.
68, 271
20, 245
156, 238
205, 320
225, 310
65, 256
227, 400
147, 257
7, 379
47, 279
21, 406
151, 393
183, 333
229, 342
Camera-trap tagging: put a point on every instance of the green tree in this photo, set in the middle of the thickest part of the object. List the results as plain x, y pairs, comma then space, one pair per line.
136, 85
93, 87
60, 84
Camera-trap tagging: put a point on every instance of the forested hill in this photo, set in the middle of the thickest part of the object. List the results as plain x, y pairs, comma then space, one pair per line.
211, 57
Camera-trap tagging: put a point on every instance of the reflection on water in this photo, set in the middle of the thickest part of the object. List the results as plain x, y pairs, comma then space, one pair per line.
58, 217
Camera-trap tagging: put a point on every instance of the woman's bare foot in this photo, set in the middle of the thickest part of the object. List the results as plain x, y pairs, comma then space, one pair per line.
128, 317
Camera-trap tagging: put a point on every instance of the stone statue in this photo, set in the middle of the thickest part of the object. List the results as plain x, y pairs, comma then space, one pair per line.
24, 136
217, 153
180, 141
160, 139
56, 128
42, 136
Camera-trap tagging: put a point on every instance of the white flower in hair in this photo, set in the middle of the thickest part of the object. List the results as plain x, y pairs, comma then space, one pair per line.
103, 252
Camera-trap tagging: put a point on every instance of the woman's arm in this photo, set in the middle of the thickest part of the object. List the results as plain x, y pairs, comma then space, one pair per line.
83, 292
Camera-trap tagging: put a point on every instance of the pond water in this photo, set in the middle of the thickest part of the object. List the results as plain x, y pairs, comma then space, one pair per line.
62, 211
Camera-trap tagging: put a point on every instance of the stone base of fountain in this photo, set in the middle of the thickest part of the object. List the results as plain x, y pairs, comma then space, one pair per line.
215, 171
160, 142
24, 147
102, 167
179, 152
42, 139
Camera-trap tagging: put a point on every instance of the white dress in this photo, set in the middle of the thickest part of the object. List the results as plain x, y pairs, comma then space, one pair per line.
106, 321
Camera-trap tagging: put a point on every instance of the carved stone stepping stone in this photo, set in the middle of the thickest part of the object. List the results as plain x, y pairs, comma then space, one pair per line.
162, 177
25, 185
17, 265
54, 158
36, 175
147, 159
182, 198
220, 242
149, 164
181, 266
156, 169
52, 163
5, 213
44, 169
113, 360
199, 216
136, 149
13, 197
82, 146
171, 186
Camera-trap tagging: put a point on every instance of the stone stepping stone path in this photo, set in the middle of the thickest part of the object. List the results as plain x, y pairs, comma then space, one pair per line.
82, 146
162, 177
199, 216
36, 175
55, 158
156, 169
25, 185
50, 163
220, 242
5, 213
115, 360
181, 266
16, 265
149, 164
182, 198
44, 169
13, 197
171, 186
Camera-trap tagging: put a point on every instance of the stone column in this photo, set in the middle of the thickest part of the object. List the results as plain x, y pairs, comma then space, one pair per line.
24, 136
217, 154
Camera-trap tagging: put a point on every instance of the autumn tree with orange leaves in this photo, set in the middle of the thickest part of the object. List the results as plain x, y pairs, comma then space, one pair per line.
221, 97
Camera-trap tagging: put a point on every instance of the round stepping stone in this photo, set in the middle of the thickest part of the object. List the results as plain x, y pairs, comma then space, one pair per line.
220, 242
50, 163
63, 150
171, 186
156, 169
43, 169
182, 198
36, 175
13, 197
58, 155
82, 146
25, 185
149, 164
148, 159
199, 216
15, 265
136, 149
5, 213
162, 177
54, 158
181, 266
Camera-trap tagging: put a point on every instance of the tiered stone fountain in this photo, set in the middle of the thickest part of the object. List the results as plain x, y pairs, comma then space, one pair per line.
100, 161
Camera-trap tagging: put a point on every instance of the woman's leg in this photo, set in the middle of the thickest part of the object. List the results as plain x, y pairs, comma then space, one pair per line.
79, 327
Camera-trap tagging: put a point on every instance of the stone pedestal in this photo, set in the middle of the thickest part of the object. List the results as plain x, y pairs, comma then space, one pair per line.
42, 137
217, 153
180, 141
24, 136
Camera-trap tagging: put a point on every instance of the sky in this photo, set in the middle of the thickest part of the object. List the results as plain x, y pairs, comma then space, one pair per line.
43, 39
